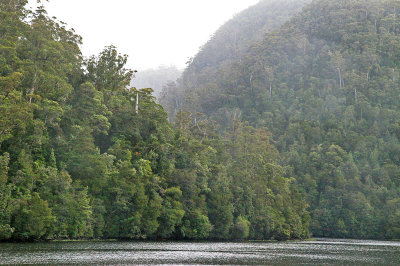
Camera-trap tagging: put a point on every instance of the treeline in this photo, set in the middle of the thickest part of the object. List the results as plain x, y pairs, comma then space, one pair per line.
77, 160
326, 84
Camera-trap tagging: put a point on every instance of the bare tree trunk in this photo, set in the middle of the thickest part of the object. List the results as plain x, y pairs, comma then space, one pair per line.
251, 82
355, 94
270, 89
394, 78
32, 91
137, 103
340, 77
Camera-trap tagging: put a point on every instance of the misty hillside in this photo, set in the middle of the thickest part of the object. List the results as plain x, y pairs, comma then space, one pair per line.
229, 44
155, 78
327, 86
233, 39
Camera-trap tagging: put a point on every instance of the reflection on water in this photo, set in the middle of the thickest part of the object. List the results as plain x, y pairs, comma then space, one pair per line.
320, 251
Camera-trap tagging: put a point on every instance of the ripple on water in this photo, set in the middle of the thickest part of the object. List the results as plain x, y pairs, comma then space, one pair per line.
321, 251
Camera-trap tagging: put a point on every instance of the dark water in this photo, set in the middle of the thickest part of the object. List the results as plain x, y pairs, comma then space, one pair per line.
318, 252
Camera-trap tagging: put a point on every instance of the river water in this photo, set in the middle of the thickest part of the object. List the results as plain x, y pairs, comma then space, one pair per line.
317, 252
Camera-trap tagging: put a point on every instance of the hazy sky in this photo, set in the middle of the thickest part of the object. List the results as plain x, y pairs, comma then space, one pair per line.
151, 32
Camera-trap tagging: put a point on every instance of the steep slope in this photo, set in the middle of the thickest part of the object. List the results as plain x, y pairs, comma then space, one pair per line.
327, 86
233, 39
229, 44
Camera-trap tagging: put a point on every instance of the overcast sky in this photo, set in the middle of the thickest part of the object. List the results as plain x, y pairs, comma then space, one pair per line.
151, 32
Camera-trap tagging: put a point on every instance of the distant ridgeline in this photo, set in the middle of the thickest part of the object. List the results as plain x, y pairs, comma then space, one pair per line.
78, 162
229, 44
326, 84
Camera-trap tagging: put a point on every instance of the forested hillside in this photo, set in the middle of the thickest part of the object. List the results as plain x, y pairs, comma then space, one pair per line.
81, 157
229, 44
326, 84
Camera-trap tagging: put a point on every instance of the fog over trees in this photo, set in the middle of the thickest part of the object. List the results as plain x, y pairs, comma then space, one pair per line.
156, 78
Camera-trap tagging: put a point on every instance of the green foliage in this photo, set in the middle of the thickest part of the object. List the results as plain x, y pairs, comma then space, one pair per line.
196, 226
80, 158
70, 204
34, 219
326, 85
241, 228
171, 214
220, 207
5, 199
393, 219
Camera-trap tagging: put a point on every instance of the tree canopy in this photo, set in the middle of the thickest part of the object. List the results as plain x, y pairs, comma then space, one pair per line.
83, 155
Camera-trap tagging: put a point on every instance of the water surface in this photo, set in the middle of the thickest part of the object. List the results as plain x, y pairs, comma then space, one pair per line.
320, 251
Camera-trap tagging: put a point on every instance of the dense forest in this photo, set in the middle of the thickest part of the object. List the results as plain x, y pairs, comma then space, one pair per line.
326, 84
83, 155
286, 124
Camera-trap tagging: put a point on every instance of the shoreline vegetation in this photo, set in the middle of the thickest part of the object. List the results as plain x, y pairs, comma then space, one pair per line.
293, 131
